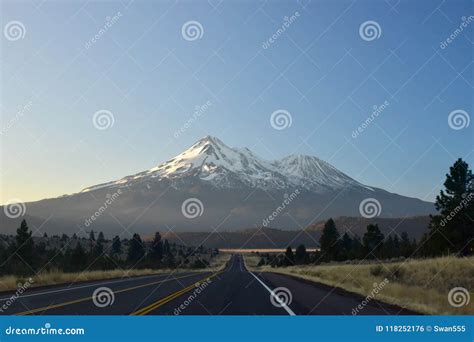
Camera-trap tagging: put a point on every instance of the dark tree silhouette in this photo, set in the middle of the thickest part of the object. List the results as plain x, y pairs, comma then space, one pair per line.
329, 241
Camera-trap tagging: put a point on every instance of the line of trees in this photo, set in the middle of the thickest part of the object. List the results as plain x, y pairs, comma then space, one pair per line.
23, 256
451, 232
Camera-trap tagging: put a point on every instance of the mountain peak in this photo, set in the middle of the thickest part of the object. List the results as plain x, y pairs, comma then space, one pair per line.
212, 161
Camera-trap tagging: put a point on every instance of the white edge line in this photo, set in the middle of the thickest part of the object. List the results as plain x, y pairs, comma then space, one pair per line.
284, 306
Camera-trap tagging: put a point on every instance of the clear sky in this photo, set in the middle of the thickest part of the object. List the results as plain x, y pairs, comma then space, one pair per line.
150, 75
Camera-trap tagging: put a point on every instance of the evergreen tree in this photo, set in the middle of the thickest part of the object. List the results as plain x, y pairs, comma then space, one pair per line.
156, 254
289, 257
301, 256
373, 240
452, 231
166, 248
136, 250
406, 247
329, 241
346, 247
116, 246
24, 247
78, 259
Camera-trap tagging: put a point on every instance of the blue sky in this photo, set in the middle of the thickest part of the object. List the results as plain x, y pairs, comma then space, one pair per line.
319, 69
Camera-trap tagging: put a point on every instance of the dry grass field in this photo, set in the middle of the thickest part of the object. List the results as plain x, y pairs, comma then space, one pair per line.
10, 282
421, 285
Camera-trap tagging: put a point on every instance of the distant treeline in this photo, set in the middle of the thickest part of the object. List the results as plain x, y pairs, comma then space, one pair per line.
21, 255
450, 233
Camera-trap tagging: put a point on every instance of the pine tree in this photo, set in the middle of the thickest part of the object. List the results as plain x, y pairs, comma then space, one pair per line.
373, 240
24, 246
136, 250
78, 258
406, 247
301, 256
289, 257
329, 241
455, 221
346, 247
116, 246
156, 254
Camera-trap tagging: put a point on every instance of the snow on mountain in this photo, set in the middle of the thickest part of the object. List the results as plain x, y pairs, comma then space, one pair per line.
210, 160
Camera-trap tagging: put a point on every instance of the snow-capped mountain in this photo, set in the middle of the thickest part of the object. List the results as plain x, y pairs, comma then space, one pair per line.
231, 188
211, 161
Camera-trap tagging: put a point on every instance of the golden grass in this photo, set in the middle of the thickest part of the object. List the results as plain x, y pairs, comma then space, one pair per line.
421, 285
10, 282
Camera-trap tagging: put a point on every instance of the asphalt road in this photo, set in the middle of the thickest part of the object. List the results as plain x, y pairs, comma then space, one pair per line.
233, 291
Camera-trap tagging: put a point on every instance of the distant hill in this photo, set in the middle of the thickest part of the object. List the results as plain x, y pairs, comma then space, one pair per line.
414, 226
276, 238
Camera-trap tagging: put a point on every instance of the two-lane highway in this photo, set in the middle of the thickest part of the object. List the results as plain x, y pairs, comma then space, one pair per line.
232, 291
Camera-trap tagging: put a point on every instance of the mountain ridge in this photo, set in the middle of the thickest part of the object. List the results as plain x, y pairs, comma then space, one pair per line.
231, 188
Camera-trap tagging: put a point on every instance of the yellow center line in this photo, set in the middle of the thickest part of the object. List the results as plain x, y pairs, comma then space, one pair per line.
153, 306
90, 298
